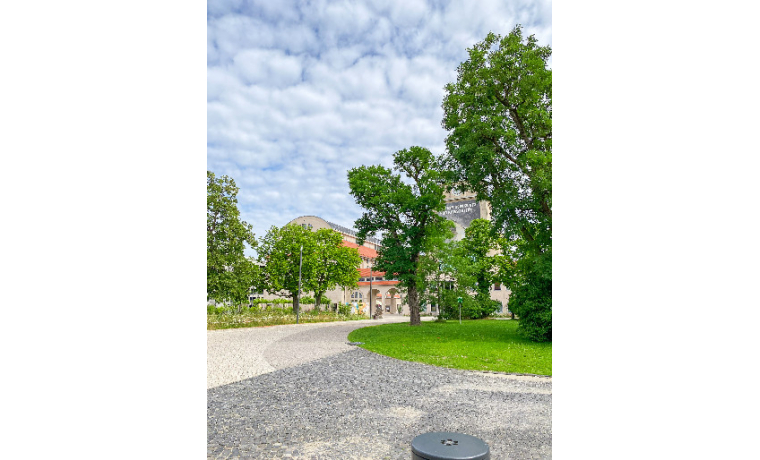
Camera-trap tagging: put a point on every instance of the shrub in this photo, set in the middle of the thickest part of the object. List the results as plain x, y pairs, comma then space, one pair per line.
344, 310
532, 302
220, 310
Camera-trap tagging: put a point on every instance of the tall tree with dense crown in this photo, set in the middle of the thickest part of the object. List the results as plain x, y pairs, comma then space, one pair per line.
499, 117
405, 215
227, 268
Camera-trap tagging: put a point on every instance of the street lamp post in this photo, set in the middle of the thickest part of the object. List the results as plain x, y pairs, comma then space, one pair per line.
300, 264
440, 268
459, 299
370, 290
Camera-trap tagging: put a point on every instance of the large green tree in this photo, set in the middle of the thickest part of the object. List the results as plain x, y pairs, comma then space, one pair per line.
336, 265
404, 213
228, 271
477, 260
280, 255
326, 262
244, 275
432, 268
499, 117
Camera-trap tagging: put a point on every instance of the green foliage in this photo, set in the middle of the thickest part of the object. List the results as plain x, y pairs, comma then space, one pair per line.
450, 305
344, 309
484, 345
335, 264
308, 300
499, 117
226, 319
499, 114
280, 254
466, 269
472, 306
404, 213
229, 274
326, 263
530, 279
474, 265
270, 301
214, 310
433, 265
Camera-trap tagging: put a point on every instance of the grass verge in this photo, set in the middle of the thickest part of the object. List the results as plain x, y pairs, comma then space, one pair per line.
482, 345
257, 318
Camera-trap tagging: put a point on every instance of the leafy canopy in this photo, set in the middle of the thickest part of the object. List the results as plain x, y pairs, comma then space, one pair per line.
326, 263
476, 261
404, 213
229, 274
280, 255
336, 265
499, 117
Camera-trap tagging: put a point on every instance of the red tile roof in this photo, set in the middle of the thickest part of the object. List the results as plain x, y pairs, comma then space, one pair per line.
364, 251
364, 272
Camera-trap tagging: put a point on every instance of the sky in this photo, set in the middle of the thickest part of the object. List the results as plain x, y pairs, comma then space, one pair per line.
299, 92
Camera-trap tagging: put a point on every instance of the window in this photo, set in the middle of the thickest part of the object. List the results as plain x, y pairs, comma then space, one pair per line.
497, 287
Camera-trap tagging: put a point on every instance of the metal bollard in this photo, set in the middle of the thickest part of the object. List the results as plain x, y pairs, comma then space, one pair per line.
449, 446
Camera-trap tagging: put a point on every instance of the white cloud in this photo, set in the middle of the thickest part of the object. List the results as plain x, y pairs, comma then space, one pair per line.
298, 93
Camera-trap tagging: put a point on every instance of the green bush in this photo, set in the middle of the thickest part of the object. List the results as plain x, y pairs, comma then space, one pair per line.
532, 302
220, 310
472, 307
483, 308
344, 310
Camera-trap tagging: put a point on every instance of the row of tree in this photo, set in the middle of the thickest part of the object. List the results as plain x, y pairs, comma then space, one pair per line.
291, 260
499, 117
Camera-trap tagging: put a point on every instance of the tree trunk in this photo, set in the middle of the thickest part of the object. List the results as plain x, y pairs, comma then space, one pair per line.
317, 302
414, 306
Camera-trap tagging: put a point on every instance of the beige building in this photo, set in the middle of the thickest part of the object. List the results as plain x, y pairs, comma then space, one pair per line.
461, 208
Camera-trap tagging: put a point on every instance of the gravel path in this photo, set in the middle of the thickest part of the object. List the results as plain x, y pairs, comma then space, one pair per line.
303, 392
237, 354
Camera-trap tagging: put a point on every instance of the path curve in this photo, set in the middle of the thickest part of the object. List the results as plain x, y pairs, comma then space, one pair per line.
302, 392
233, 355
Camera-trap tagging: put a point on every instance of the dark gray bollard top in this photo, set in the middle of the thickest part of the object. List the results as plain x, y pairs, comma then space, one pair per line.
449, 446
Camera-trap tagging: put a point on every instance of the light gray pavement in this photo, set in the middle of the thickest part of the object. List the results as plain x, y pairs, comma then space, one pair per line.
300, 391
237, 354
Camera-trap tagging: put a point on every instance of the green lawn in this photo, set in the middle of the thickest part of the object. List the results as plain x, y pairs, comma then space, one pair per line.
483, 345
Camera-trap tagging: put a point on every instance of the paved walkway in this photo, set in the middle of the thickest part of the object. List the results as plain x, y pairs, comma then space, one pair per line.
300, 391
